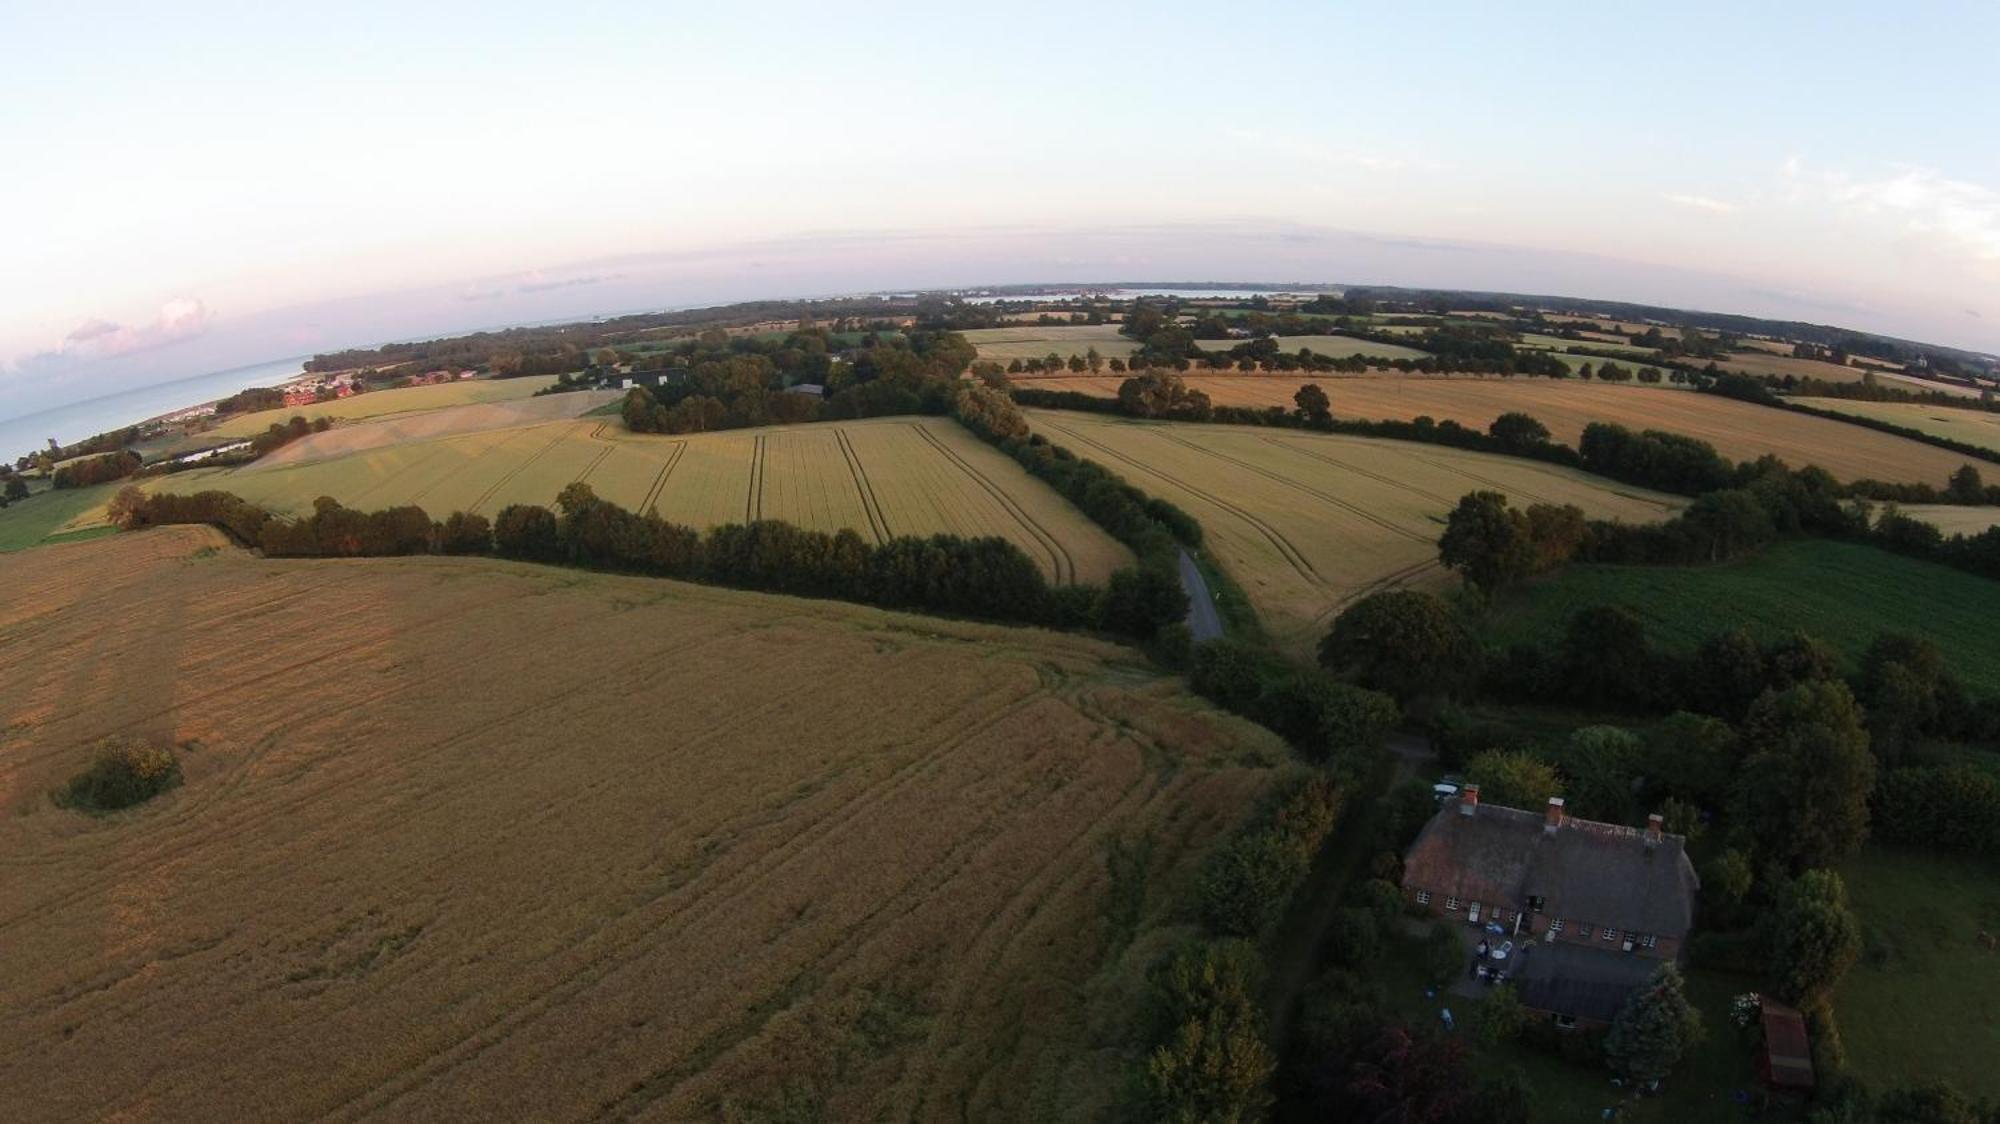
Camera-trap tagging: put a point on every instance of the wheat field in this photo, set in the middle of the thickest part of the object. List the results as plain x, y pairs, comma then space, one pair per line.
1738, 430
1307, 522
1972, 426
465, 839
382, 403
883, 477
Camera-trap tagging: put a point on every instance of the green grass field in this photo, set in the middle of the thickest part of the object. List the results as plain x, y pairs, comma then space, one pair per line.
1036, 341
1843, 593
42, 516
1338, 347
1925, 998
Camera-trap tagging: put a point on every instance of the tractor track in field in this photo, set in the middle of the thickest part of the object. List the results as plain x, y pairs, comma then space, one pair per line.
1059, 556
1375, 585
878, 523
600, 458
1302, 450
660, 481
1290, 553
509, 475
1353, 509
753, 503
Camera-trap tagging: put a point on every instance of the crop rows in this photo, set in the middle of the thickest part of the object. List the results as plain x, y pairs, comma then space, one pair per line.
1307, 522
880, 478
432, 866
1739, 430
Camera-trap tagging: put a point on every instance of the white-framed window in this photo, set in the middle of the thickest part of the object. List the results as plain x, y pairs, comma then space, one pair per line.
1423, 897
1556, 925
1451, 903
1583, 930
1610, 934
1649, 941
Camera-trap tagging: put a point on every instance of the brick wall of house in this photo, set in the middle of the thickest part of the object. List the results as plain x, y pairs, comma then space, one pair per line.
1536, 925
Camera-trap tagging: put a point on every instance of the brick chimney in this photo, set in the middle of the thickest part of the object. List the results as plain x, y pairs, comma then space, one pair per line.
1468, 799
1655, 825
1555, 817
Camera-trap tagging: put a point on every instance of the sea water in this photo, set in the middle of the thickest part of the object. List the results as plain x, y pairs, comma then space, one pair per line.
78, 420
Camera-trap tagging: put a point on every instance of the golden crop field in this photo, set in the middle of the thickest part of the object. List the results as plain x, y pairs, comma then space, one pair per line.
1035, 341
1953, 519
1738, 430
465, 839
1307, 522
1536, 341
1972, 426
1337, 347
377, 403
883, 477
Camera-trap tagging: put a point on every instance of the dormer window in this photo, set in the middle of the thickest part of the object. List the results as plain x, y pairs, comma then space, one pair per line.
1534, 903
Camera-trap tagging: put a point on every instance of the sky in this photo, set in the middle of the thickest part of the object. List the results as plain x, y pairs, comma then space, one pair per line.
196, 186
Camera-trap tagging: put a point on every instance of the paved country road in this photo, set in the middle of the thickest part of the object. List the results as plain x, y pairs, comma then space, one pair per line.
1203, 621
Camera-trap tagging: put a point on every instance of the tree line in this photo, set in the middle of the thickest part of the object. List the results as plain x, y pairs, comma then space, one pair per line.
1145, 600
987, 577
1209, 1059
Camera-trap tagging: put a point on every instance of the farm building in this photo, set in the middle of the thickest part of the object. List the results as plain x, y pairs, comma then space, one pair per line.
1595, 907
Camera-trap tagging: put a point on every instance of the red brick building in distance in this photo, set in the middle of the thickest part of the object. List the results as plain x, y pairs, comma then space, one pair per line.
1594, 908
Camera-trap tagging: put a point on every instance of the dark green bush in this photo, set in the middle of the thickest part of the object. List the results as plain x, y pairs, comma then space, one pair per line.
125, 772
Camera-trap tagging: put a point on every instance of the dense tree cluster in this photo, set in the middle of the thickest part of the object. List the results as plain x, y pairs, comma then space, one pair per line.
1248, 882
1325, 717
715, 381
279, 434
97, 469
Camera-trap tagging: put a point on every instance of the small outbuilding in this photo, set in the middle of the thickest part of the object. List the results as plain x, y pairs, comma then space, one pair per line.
1785, 1062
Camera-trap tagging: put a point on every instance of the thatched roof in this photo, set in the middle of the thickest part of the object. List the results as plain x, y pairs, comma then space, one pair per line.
1585, 871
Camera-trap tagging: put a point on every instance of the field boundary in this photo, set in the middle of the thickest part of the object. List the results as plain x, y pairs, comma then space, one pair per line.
1059, 555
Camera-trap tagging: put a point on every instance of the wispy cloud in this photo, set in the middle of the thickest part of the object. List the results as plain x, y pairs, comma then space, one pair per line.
533, 281
182, 318
1965, 214
1700, 203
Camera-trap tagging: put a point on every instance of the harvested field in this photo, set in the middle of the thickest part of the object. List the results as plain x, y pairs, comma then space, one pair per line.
1738, 429
883, 477
464, 839
1307, 522
378, 403
1974, 427
1034, 341
1336, 347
